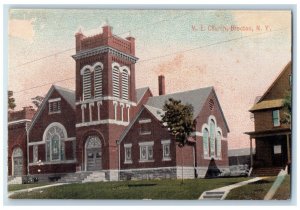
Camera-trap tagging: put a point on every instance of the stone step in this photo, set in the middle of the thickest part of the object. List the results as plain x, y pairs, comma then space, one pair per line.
217, 197
214, 192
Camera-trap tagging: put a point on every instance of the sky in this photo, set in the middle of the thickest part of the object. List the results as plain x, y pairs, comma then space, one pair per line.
240, 53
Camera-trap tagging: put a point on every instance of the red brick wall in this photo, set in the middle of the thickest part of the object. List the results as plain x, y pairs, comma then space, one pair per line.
158, 133
53, 168
17, 138
66, 118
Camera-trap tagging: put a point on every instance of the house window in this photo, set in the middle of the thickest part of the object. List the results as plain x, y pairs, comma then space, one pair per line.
128, 153
212, 138
115, 81
98, 81
86, 84
55, 146
145, 126
146, 151
276, 118
35, 153
219, 137
166, 149
205, 143
54, 105
125, 84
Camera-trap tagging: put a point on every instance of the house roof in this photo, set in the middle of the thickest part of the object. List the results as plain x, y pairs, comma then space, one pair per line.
140, 92
156, 112
275, 81
67, 94
267, 104
195, 97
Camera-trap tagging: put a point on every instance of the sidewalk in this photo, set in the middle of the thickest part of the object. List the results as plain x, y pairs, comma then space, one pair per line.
223, 191
35, 188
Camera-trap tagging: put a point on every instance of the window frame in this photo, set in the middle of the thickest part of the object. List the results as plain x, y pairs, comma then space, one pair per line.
277, 118
145, 122
127, 146
166, 143
149, 147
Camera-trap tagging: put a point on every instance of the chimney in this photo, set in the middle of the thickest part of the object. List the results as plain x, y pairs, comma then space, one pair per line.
78, 38
161, 85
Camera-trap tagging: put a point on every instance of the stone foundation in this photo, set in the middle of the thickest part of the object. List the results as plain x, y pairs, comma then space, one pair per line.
149, 173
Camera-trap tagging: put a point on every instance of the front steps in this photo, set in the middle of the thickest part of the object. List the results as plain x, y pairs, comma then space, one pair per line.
15, 180
96, 176
212, 195
266, 171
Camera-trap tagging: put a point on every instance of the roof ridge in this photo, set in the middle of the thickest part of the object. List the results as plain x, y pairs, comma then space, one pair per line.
63, 88
186, 91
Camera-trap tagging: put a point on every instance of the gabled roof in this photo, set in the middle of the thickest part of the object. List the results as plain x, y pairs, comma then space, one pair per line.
68, 95
156, 112
275, 81
140, 92
195, 97
267, 104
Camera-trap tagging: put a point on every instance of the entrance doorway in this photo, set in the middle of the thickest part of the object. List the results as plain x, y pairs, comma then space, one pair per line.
17, 162
93, 153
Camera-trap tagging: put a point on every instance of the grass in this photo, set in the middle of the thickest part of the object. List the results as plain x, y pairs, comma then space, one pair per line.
14, 187
145, 189
284, 191
253, 191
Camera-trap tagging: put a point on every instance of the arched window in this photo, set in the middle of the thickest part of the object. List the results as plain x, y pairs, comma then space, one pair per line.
212, 130
205, 143
98, 81
115, 81
125, 84
219, 137
55, 145
86, 84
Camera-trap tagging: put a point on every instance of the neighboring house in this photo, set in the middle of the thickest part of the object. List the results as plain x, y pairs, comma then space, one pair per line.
108, 125
18, 123
272, 137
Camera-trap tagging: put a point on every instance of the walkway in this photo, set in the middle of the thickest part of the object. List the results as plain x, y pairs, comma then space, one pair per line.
221, 193
35, 188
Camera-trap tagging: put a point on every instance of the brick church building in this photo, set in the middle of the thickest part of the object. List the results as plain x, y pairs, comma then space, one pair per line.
109, 128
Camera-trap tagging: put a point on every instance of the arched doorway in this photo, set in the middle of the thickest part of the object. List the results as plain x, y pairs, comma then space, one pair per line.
17, 162
93, 153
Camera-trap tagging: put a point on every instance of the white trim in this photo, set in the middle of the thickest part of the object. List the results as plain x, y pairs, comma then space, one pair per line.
146, 161
122, 111
146, 143
70, 139
89, 67
196, 133
107, 121
83, 106
115, 104
61, 126
128, 145
144, 121
168, 141
122, 68
107, 98
98, 64
115, 64
18, 121
53, 163
54, 99
36, 143
104, 49
99, 103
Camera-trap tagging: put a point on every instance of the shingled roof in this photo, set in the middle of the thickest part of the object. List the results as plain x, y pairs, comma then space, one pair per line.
140, 93
195, 97
67, 94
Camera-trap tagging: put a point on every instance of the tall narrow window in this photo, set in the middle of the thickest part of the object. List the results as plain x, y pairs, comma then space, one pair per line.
219, 137
55, 145
212, 138
86, 84
35, 153
276, 118
128, 153
115, 81
205, 142
125, 84
98, 81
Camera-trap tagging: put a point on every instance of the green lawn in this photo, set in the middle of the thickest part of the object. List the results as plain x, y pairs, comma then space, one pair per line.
146, 189
252, 191
14, 187
284, 191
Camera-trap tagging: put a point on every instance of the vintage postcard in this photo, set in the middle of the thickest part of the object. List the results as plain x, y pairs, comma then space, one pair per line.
149, 104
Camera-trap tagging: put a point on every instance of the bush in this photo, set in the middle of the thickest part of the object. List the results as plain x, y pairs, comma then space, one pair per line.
29, 179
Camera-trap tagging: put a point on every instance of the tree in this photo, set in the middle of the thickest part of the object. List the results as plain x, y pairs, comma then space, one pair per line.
287, 106
179, 120
11, 100
37, 101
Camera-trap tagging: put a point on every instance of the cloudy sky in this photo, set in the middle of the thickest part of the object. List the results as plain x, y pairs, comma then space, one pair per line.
240, 53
